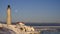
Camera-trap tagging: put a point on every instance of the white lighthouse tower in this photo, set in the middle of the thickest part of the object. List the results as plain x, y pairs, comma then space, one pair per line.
8, 15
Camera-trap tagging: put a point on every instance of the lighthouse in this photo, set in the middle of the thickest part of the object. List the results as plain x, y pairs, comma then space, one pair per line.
8, 15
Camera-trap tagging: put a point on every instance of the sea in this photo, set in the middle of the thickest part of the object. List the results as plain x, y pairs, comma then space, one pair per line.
52, 28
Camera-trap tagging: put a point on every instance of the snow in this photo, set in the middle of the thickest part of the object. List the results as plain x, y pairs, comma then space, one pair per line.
15, 29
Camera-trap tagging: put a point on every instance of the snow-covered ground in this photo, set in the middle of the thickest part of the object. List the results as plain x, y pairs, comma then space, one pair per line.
16, 29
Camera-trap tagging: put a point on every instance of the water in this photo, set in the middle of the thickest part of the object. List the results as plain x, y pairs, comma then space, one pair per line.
43, 24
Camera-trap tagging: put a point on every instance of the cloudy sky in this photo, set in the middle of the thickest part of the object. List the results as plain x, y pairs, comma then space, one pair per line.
31, 10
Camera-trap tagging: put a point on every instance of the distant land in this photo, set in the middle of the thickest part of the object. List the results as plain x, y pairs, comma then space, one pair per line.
37, 24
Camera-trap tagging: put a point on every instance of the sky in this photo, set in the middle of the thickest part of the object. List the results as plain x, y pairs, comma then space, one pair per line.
31, 10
